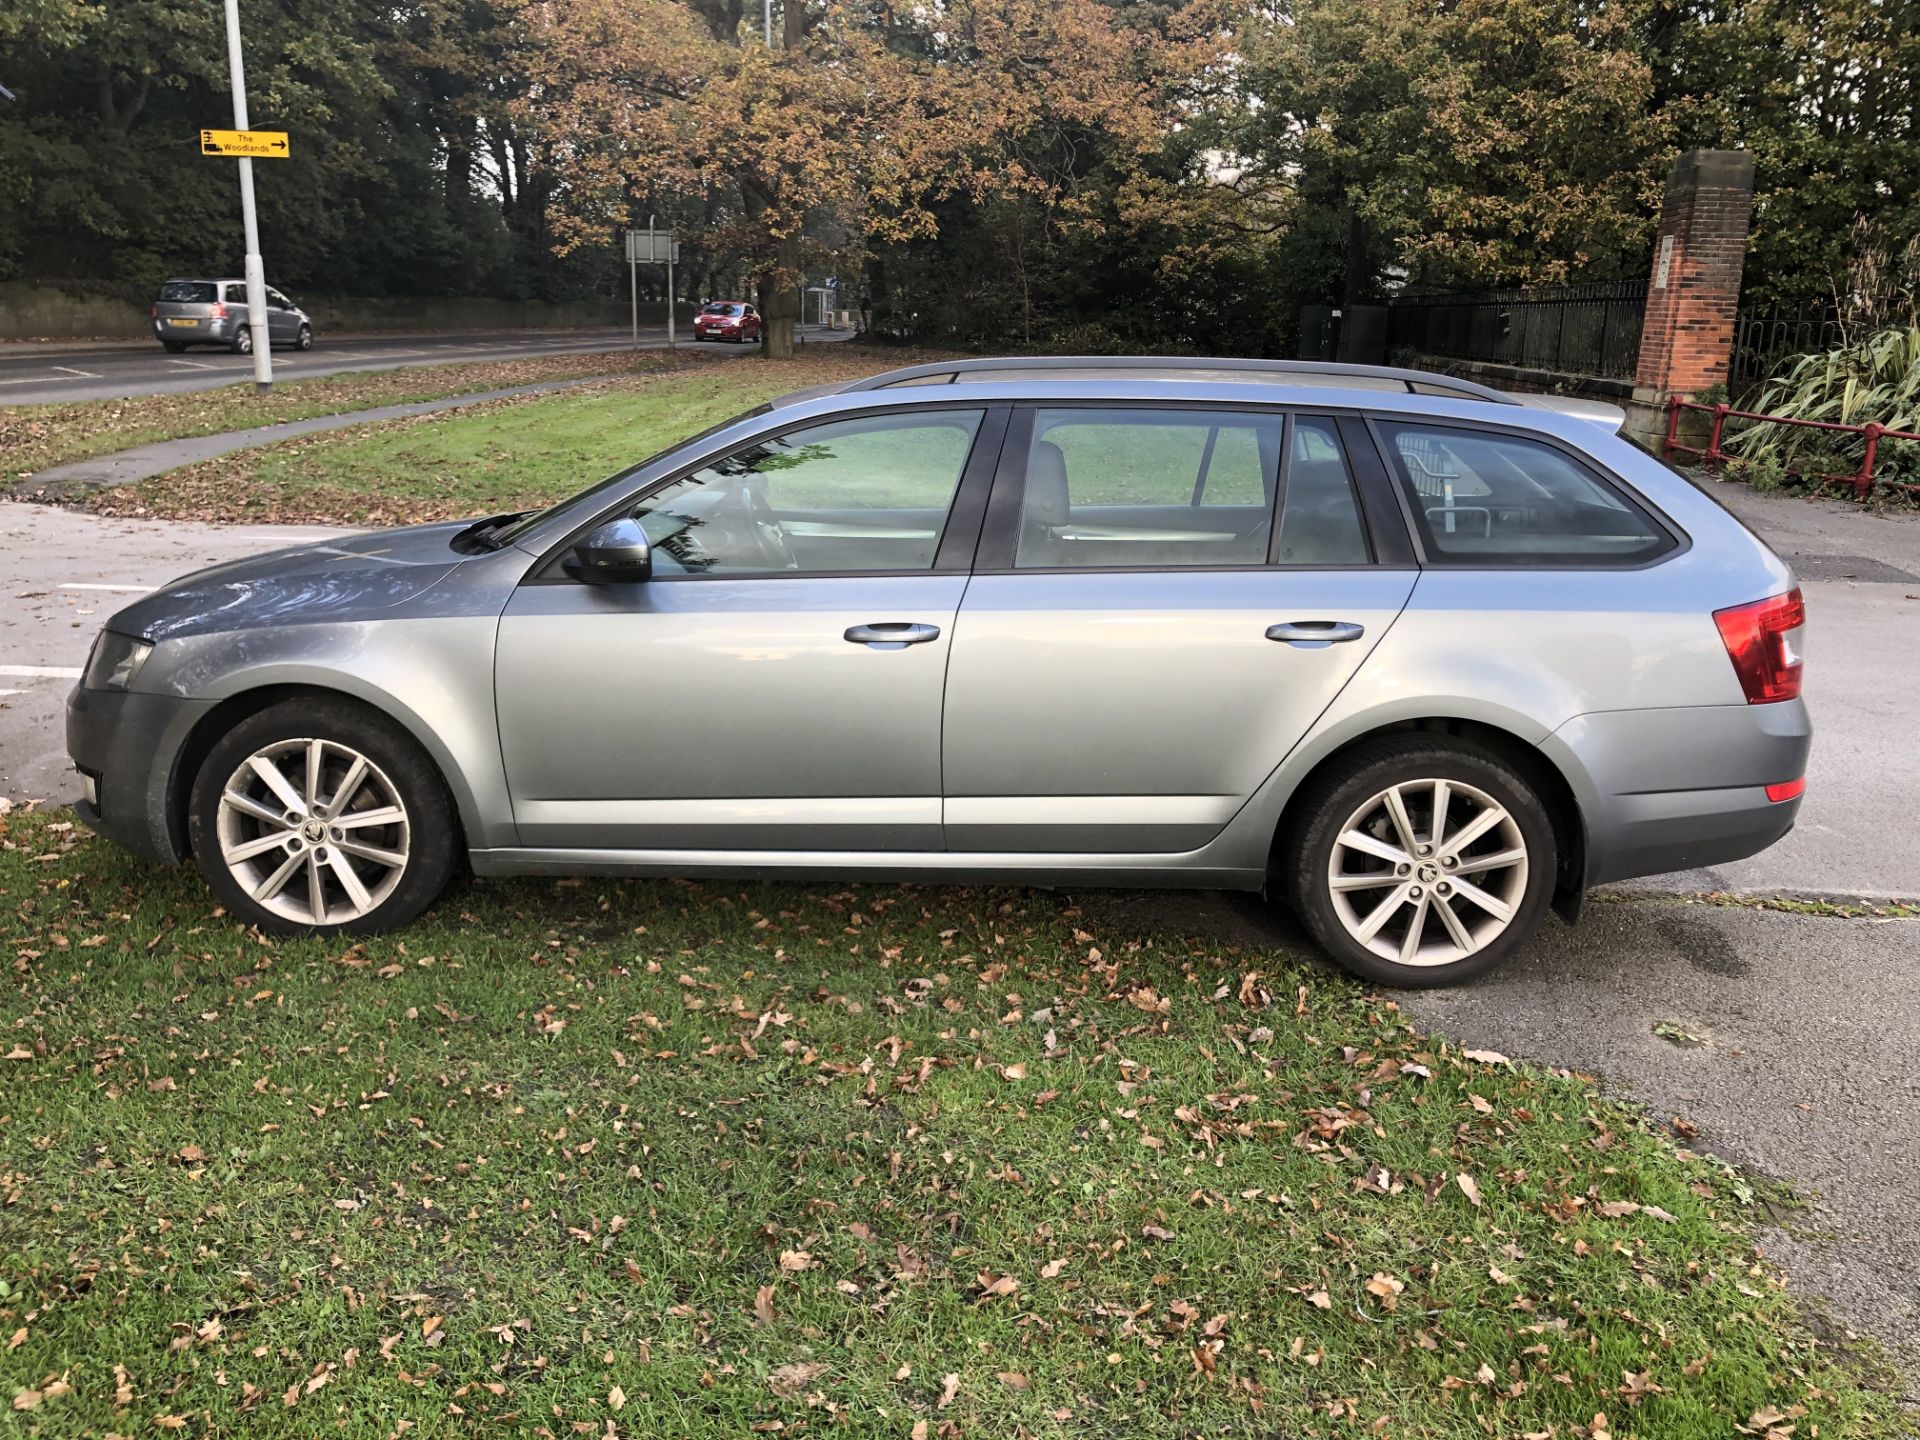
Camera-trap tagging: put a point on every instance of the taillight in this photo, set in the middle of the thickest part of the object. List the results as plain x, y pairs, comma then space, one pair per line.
219, 310
1763, 641
1787, 790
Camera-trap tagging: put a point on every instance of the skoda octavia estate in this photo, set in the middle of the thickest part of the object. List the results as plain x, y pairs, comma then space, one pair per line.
1421, 658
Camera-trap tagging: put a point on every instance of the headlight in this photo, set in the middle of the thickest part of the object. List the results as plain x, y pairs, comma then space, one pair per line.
115, 660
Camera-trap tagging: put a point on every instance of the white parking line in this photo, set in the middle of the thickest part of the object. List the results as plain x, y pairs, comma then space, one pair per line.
78, 374
87, 585
40, 672
5, 693
194, 364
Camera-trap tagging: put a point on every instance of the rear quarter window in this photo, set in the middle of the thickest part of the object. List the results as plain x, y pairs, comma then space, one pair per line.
1482, 497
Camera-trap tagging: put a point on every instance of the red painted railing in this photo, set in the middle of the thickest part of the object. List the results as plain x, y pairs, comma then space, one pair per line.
1861, 480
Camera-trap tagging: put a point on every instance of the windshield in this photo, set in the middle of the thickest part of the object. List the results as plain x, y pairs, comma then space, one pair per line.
719, 309
526, 522
187, 292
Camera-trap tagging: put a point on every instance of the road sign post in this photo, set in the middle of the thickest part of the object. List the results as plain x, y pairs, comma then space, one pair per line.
651, 247
255, 271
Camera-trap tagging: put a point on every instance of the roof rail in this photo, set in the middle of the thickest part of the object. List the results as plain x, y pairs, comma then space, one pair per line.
946, 372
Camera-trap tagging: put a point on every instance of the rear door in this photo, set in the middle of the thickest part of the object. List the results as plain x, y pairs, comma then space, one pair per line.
1141, 644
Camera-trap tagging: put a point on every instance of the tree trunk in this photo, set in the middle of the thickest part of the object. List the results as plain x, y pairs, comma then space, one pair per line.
780, 307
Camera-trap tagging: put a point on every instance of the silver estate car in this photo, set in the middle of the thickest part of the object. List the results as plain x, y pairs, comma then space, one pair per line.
214, 312
1421, 658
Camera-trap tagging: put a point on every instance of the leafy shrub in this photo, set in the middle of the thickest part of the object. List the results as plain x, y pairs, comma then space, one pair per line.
1877, 379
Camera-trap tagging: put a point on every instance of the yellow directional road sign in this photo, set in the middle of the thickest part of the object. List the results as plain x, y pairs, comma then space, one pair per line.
260, 144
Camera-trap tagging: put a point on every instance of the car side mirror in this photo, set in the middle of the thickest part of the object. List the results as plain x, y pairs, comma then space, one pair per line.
614, 553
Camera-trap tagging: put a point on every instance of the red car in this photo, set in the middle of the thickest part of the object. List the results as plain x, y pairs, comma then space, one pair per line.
726, 320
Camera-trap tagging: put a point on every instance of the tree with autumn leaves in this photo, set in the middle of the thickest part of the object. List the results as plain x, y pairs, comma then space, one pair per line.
854, 127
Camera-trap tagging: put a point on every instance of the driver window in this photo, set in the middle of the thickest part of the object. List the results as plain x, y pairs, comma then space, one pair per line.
863, 495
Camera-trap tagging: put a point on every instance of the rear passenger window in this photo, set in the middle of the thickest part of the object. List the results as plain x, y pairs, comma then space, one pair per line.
1320, 519
1486, 499
1144, 487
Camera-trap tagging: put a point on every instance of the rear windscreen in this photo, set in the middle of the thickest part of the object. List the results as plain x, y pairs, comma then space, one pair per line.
187, 292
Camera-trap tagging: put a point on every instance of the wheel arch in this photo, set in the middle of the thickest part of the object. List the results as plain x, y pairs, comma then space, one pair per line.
1556, 790
241, 704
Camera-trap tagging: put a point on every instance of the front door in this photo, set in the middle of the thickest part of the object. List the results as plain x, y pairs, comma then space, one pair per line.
777, 685
1140, 648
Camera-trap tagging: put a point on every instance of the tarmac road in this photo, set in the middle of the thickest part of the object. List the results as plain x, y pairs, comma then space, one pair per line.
34, 374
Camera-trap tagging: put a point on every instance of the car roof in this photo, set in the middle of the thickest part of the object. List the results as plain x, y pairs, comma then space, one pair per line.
1192, 379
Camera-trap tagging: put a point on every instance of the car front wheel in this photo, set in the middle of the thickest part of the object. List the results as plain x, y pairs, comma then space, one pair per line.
1421, 862
318, 816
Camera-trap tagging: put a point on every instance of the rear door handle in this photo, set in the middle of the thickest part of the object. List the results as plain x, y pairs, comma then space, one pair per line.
1316, 634
892, 634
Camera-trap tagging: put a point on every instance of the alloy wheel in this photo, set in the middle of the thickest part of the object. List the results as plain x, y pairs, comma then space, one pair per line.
1427, 872
314, 831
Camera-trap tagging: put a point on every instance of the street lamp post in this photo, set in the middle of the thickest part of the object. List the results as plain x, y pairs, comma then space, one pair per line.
255, 272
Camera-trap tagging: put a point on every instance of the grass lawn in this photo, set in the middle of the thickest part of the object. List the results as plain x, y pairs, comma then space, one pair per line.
655, 1159
35, 437
504, 455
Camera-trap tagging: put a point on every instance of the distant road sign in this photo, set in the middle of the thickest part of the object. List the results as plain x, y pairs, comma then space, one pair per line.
651, 247
259, 144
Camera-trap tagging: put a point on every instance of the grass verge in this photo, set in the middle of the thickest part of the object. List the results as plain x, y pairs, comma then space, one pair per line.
495, 456
655, 1159
36, 437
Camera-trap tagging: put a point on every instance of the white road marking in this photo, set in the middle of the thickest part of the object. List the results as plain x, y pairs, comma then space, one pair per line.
40, 672
5, 693
78, 374
85, 585
194, 364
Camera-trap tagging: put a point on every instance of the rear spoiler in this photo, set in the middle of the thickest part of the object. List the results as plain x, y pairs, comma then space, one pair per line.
1608, 417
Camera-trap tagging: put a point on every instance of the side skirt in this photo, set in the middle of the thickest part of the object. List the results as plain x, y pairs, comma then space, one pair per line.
938, 867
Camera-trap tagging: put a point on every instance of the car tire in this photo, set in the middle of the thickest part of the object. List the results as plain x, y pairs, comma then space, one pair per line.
174, 347
1478, 890
304, 340
328, 855
242, 342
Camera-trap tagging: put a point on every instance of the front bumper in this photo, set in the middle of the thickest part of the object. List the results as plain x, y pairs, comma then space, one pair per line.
1681, 788
129, 744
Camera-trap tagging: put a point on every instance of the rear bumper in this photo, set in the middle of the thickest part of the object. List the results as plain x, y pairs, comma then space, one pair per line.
207, 332
130, 744
1683, 788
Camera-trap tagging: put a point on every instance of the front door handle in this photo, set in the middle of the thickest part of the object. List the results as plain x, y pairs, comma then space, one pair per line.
892, 634
1316, 634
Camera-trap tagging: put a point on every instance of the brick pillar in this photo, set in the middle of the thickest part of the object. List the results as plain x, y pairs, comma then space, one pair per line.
1686, 337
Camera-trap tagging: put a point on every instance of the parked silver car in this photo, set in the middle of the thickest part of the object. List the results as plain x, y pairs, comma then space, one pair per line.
1418, 657
214, 312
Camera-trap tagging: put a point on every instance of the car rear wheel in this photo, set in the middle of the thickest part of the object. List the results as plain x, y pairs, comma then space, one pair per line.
319, 816
1421, 862
304, 340
243, 340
